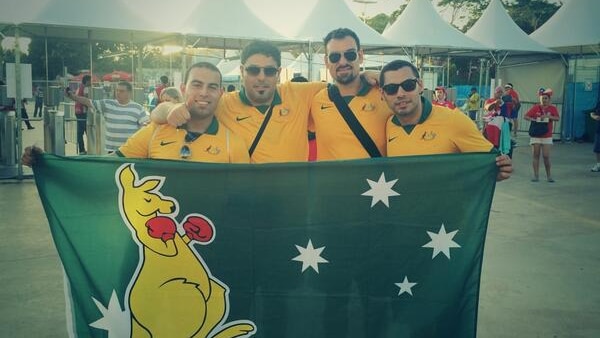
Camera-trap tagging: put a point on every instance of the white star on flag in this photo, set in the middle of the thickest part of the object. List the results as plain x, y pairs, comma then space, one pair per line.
310, 257
381, 190
114, 320
405, 286
441, 242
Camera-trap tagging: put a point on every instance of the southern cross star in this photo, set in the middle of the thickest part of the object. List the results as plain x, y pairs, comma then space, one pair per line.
405, 286
310, 256
381, 190
441, 242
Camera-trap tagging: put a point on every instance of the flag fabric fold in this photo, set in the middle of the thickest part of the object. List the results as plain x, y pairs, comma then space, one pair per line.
388, 247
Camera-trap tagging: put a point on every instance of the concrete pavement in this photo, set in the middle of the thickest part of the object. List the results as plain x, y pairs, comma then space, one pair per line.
541, 269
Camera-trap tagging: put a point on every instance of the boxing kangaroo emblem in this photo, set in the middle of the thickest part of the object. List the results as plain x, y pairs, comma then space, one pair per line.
172, 293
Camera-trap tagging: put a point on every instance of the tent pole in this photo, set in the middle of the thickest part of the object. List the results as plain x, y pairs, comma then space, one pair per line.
309, 59
18, 96
448, 73
481, 63
46, 61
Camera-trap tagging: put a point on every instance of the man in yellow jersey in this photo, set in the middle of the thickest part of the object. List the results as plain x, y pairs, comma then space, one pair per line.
336, 138
281, 111
419, 128
201, 139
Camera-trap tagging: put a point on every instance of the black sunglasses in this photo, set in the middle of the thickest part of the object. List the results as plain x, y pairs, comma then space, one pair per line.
255, 70
407, 85
350, 55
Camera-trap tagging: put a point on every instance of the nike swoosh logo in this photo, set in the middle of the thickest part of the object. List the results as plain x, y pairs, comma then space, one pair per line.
164, 143
237, 118
392, 138
323, 107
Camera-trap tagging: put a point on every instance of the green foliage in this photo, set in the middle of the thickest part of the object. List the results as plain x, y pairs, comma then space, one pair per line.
378, 22
531, 14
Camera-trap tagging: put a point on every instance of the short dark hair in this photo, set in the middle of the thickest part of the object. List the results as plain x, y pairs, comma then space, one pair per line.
86, 79
395, 65
261, 47
125, 84
202, 64
299, 78
341, 33
164, 79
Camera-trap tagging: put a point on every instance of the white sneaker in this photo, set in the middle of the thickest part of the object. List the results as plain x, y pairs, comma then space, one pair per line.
596, 168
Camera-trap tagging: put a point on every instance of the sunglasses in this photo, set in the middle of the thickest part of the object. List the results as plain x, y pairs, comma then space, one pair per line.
255, 70
407, 85
350, 55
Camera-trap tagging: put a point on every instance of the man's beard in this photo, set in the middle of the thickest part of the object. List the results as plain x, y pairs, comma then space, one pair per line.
347, 79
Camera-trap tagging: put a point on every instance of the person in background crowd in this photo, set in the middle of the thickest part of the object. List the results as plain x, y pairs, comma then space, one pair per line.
171, 94
473, 103
81, 111
39, 102
596, 116
231, 88
24, 115
420, 128
441, 98
164, 83
547, 113
152, 98
123, 117
515, 106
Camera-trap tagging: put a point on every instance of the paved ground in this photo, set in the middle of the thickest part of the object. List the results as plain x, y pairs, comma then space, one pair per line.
541, 269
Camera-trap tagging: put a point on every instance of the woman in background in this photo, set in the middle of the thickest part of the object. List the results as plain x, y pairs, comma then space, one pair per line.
546, 113
171, 94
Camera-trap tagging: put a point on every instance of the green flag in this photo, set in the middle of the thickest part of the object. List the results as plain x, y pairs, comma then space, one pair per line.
388, 247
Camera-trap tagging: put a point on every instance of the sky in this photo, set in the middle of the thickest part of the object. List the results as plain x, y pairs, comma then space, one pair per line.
373, 7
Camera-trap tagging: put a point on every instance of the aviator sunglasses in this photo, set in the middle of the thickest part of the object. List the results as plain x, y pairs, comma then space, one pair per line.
185, 152
407, 85
350, 55
255, 70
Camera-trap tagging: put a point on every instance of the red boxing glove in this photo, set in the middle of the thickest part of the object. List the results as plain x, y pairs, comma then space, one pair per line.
198, 228
161, 227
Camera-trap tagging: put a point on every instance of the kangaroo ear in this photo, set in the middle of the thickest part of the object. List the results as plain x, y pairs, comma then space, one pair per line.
126, 176
149, 185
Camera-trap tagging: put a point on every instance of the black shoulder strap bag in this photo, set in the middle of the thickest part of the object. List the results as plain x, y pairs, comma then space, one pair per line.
261, 130
358, 130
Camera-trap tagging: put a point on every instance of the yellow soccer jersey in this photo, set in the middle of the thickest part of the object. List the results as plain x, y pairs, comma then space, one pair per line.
335, 139
284, 139
439, 131
162, 141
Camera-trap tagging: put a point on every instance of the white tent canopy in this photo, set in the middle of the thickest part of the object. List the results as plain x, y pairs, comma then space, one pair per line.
572, 29
496, 30
311, 20
429, 32
225, 24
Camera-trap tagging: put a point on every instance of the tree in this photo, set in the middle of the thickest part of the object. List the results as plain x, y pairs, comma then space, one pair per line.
531, 14
379, 22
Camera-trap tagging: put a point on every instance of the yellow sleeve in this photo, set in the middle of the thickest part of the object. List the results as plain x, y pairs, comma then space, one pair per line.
138, 144
468, 138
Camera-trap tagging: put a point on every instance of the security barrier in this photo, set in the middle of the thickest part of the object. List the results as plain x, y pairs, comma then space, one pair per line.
54, 132
8, 160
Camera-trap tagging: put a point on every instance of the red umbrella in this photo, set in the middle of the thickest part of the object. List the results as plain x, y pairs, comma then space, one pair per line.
78, 78
117, 75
